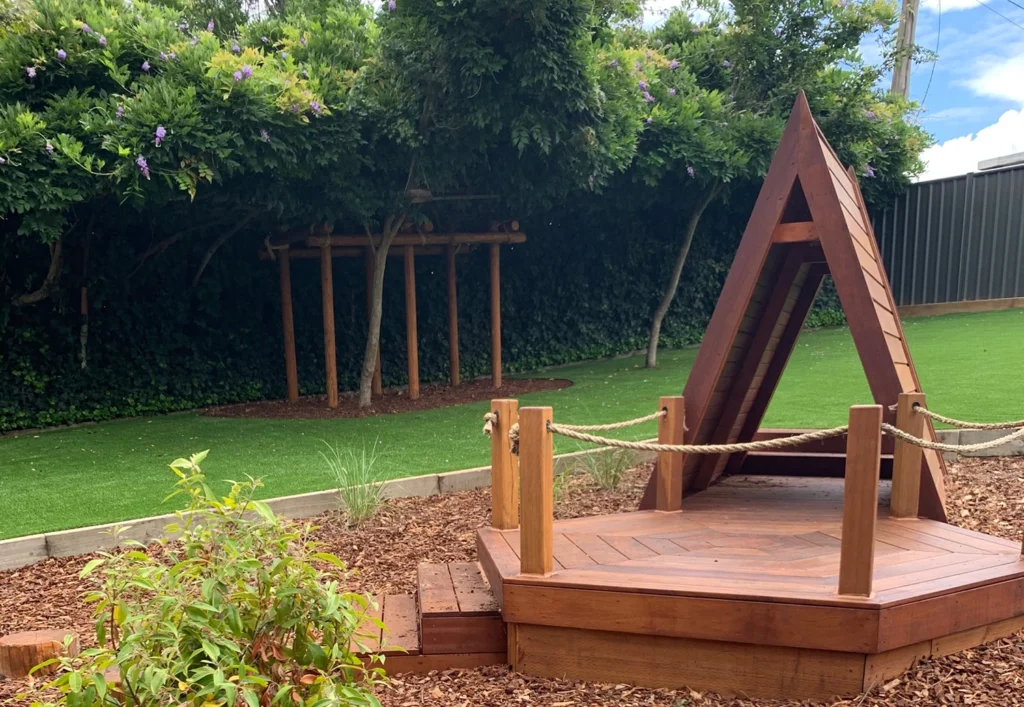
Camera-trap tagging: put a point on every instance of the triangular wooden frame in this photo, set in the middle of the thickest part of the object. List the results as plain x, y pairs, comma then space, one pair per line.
809, 221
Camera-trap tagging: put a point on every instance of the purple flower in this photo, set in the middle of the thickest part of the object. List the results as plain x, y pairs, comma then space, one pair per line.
284, 55
120, 111
235, 48
642, 85
3, 161
869, 171
294, 107
870, 115
210, 25
671, 92
103, 41
689, 171
264, 39
305, 74
637, 65
392, 5
195, 40
264, 135
30, 71
61, 54
86, 28
648, 97
159, 135
49, 147
316, 107
673, 65
145, 66
726, 63
650, 121
613, 63
172, 56
778, 31
302, 40
247, 72
143, 166
237, 75
182, 26
163, 56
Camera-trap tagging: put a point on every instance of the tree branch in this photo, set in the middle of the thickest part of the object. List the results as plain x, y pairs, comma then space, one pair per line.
52, 274
221, 240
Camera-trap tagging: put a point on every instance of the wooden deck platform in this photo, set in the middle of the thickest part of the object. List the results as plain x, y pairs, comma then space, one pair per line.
738, 593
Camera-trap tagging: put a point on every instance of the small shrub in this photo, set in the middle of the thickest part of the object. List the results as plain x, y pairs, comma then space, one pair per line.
236, 612
560, 487
359, 483
606, 468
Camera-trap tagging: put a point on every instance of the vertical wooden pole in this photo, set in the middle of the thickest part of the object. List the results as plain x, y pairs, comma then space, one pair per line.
453, 317
411, 340
860, 500
504, 467
330, 352
536, 468
376, 387
671, 429
906, 460
288, 324
496, 314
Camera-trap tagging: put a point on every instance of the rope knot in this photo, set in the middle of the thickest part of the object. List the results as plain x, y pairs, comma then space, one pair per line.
490, 418
513, 437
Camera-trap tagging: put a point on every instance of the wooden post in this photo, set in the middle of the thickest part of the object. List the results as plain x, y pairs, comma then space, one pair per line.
376, 387
453, 317
860, 500
288, 324
496, 315
504, 467
671, 430
330, 352
906, 460
536, 467
411, 343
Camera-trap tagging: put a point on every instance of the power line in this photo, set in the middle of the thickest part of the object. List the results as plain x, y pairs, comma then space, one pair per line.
992, 9
938, 38
1015, 4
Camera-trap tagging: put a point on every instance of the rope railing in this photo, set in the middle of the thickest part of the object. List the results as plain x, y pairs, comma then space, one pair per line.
957, 448
615, 425
757, 446
953, 422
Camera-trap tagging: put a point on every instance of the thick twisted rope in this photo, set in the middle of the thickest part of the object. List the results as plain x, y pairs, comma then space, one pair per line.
957, 448
489, 419
615, 425
759, 446
969, 425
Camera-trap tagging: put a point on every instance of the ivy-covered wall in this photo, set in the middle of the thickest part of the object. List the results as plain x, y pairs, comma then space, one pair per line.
583, 286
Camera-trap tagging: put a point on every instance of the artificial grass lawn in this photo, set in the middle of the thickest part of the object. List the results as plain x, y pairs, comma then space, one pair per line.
970, 365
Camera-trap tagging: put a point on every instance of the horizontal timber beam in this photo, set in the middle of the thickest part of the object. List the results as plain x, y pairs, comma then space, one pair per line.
442, 239
797, 232
345, 252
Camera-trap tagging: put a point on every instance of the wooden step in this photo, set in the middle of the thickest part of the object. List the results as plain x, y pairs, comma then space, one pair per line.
458, 614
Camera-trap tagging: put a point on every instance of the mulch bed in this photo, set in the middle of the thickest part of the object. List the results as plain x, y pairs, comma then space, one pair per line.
984, 494
392, 401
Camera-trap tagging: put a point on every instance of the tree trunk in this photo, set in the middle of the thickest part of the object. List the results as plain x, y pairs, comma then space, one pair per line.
380, 260
677, 271
52, 276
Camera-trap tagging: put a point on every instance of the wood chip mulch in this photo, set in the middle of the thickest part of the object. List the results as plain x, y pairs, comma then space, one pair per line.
392, 401
983, 494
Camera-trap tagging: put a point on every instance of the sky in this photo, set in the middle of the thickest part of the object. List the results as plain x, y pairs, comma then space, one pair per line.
973, 96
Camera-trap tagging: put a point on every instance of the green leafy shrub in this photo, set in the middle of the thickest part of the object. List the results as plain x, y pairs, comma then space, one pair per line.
560, 487
359, 484
237, 611
606, 468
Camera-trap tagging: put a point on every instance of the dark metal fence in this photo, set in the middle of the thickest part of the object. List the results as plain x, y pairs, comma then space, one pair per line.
957, 239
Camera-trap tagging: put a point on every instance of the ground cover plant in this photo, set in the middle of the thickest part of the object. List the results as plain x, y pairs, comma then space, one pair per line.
968, 365
236, 611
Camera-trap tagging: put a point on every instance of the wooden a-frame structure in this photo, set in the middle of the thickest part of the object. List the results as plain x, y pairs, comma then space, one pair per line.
809, 221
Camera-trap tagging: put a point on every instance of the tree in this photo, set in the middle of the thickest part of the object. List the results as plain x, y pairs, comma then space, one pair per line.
717, 93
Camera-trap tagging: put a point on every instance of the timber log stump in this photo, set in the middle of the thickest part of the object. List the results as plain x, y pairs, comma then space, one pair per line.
20, 652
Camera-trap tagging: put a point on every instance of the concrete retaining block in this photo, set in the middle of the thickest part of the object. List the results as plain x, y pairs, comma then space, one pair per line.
1009, 449
465, 480
100, 537
22, 551
305, 505
412, 486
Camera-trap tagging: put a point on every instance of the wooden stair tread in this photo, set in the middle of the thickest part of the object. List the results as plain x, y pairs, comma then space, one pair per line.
402, 634
454, 589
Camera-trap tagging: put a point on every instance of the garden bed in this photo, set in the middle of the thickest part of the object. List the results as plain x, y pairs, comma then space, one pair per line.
392, 401
984, 494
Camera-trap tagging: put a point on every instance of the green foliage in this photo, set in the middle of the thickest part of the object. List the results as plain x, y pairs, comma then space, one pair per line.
559, 488
605, 468
237, 611
359, 483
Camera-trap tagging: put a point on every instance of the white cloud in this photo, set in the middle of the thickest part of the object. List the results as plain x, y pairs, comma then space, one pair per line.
1001, 80
962, 154
948, 5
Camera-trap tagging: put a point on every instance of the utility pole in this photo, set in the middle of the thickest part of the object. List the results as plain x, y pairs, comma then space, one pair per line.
904, 48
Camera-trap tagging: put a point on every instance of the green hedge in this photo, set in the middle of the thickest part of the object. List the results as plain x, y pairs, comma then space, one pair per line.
582, 287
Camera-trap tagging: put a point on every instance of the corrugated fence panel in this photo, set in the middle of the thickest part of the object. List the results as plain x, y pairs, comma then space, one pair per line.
957, 239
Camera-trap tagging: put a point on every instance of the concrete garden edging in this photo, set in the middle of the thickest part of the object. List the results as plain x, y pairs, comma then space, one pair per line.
19, 552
